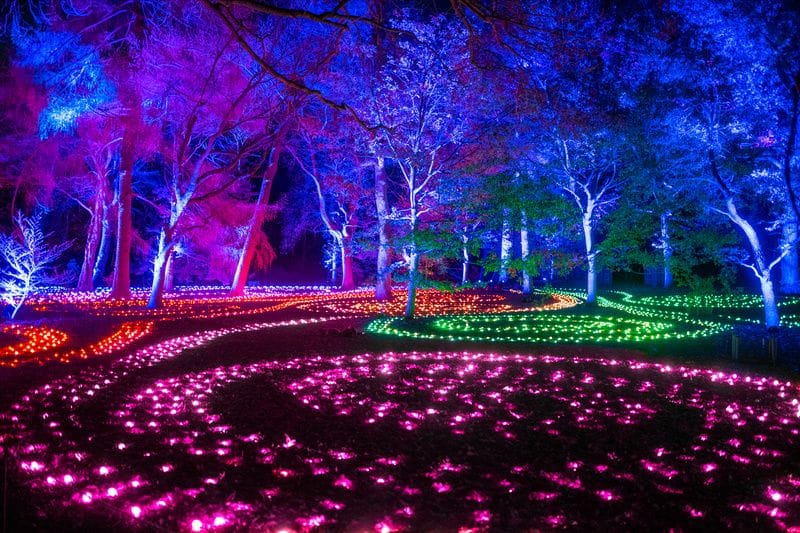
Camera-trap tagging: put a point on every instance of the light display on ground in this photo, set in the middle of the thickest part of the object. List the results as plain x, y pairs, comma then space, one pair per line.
41, 342
410, 441
712, 301
547, 328
430, 302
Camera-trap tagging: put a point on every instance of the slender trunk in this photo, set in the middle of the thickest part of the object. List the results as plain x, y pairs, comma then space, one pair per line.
524, 252
413, 265
249, 246
346, 246
666, 250
92, 246
383, 276
464, 258
159, 269
790, 284
106, 231
591, 276
121, 285
505, 248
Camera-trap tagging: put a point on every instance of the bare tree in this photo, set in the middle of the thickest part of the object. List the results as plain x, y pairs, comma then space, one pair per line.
28, 260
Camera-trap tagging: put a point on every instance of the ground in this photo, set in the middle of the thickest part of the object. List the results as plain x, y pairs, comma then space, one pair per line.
304, 410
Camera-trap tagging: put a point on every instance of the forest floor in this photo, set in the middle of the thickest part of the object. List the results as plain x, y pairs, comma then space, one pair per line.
255, 416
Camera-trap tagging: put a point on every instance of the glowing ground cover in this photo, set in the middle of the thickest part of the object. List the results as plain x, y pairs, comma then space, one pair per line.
41, 342
407, 441
430, 302
547, 328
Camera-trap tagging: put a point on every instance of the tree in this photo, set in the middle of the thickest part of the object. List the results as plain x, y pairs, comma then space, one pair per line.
590, 176
424, 123
212, 134
28, 260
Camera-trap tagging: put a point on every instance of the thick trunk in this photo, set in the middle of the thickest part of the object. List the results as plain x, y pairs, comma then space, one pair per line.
169, 273
505, 248
249, 246
591, 276
464, 259
524, 252
383, 276
121, 285
771, 317
790, 284
666, 249
348, 282
413, 264
760, 267
91, 247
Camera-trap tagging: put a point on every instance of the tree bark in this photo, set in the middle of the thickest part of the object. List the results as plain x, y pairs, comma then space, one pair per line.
524, 253
411, 298
591, 276
169, 272
666, 250
383, 276
92, 245
121, 285
346, 245
505, 248
464, 258
159, 269
790, 284
249, 246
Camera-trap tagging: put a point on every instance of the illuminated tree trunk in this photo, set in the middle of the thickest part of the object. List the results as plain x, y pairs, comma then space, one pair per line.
104, 248
464, 258
249, 246
121, 285
92, 245
346, 246
591, 254
666, 250
169, 272
383, 277
165, 246
524, 252
789, 265
505, 248
413, 266
760, 266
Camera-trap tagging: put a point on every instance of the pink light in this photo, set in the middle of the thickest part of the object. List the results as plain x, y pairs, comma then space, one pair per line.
136, 511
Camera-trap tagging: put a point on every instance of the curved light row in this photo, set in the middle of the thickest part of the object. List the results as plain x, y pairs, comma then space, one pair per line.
41, 343
545, 328
188, 459
430, 302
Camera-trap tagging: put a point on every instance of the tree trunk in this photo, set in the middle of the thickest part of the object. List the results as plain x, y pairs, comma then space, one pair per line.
771, 317
666, 250
169, 272
159, 269
383, 276
790, 284
464, 259
92, 246
591, 276
413, 265
505, 248
106, 231
346, 247
249, 246
121, 285
524, 253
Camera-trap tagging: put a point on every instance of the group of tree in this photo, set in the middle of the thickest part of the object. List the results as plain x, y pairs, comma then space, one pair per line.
521, 138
